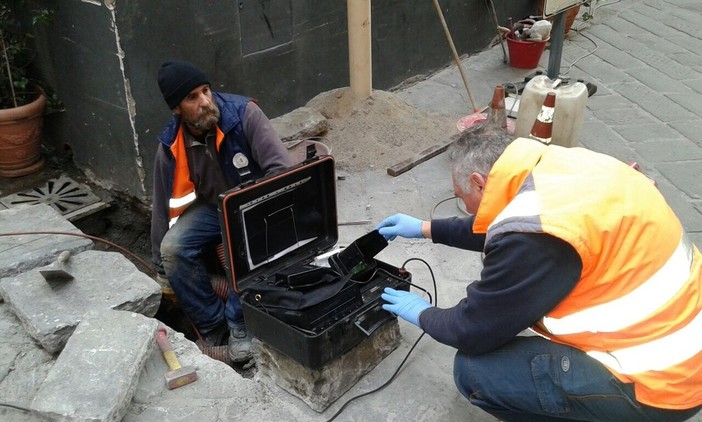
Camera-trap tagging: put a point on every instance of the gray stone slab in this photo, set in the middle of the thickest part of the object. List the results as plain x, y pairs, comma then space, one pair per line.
617, 58
656, 80
598, 137
24, 365
96, 375
695, 85
22, 252
691, 130
664, 64
603, 71
646, 132
692, 101
50, 312
601, 101
670, 150
655, 103
685, 176
649, 24
631, 115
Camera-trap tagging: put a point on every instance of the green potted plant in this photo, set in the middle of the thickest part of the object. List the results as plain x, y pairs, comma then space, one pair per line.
22, 99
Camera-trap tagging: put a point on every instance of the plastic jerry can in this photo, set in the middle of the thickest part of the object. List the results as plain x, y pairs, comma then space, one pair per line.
568, 114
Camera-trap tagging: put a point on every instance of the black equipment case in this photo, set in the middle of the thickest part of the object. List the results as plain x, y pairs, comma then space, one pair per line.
274, 231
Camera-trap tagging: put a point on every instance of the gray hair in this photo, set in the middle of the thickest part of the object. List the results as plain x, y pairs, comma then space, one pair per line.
476, 150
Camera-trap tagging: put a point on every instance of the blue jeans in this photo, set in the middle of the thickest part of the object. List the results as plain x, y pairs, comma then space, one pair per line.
182, 248
533, 379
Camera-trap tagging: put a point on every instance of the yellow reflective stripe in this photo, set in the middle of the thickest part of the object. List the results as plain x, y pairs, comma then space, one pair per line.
635, 306
182, 201
524, 204
172, 221
656, 355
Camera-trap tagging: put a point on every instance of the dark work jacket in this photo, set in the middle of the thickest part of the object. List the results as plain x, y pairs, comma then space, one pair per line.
232, 109
524, 276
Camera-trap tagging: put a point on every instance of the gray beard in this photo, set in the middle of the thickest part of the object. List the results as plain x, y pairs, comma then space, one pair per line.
206, 121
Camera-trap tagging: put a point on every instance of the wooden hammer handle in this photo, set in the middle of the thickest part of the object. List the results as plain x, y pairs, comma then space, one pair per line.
165, 346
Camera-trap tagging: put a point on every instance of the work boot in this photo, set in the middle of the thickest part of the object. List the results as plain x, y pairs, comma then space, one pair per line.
240, 345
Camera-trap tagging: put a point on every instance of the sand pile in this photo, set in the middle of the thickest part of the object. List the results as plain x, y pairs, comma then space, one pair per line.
380, 131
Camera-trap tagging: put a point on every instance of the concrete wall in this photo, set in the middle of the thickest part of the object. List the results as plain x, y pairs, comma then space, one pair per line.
102, 57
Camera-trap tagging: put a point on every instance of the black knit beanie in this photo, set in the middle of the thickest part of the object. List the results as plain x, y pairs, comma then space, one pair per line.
176, 79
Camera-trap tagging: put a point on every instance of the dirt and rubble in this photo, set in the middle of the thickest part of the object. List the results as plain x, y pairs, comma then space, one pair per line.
379, 131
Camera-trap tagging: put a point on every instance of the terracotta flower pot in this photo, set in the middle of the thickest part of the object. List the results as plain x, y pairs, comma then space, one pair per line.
20, 138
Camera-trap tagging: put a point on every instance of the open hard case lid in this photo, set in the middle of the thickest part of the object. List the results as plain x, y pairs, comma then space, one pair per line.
279, 220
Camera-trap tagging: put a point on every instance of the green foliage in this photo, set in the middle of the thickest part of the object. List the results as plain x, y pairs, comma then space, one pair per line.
17, 19
589, 14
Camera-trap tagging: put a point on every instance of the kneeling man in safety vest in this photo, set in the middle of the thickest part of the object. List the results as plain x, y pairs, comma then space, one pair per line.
583, 250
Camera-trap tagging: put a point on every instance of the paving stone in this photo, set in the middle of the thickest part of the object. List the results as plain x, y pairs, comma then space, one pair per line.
50, 311
695, 85
623, 116
109, 348
664, 64
646, 132
691, 130
657, 80
690, 100
614, 38
607, 102
669, 150
598, 137
23, 252
655, 103
692, 45
619, 59
603, 71
650, 25
686, 175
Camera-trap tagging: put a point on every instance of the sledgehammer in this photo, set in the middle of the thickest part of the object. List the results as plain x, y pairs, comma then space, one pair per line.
178, 376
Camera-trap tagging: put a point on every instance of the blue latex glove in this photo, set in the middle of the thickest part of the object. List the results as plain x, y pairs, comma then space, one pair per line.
406, 305
400, 225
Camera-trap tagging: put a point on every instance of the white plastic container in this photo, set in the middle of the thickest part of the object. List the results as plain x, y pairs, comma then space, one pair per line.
568, 115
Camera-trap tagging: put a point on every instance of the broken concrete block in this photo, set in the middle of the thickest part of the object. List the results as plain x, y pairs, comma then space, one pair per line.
22, 252
319, 388
50, 311
96, 375
303, 122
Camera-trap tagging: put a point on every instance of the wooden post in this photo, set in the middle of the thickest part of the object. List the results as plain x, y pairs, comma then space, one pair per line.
360, 70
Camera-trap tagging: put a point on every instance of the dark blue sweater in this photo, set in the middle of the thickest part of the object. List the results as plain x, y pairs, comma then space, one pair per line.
524, 276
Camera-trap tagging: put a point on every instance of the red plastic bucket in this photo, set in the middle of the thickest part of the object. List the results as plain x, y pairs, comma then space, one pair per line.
525, 54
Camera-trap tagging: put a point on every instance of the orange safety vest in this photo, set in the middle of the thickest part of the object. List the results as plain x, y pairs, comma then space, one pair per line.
183, 194
637, 308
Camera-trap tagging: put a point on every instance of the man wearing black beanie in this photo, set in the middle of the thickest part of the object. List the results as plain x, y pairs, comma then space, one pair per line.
213, 142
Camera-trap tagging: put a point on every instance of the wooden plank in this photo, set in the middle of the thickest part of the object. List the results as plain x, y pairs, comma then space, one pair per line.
423, 156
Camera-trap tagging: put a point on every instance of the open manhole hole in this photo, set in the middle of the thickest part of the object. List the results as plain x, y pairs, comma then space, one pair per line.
71, 199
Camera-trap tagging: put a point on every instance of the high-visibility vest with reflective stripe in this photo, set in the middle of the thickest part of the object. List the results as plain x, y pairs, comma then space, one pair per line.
638, 306
183, 194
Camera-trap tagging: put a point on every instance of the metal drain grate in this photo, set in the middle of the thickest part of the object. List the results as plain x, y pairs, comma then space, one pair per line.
65, 195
